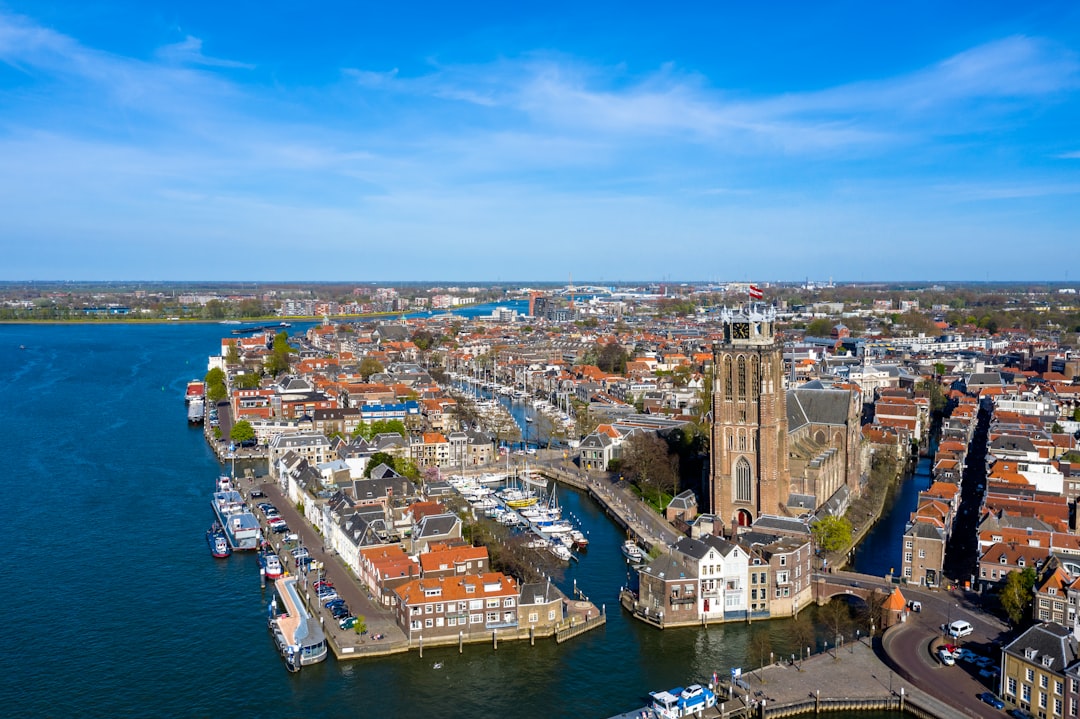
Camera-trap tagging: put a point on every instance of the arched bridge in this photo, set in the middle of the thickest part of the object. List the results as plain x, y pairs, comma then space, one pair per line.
837, 584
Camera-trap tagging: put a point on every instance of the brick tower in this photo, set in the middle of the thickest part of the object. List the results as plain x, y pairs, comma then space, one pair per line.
748, 467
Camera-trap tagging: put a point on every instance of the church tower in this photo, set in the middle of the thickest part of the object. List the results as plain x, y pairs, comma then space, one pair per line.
748, 466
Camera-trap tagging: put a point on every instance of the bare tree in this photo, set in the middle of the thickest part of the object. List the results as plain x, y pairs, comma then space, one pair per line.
646, 462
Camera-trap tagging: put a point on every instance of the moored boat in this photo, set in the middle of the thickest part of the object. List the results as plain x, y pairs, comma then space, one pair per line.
680, 702
219, 545
271, 565
632, 551
241, 527
296, 632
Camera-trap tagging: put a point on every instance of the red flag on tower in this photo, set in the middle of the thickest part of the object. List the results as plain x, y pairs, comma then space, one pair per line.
756, 293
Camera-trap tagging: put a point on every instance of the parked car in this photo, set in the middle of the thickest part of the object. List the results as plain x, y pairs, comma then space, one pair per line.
1018, 713
349, 621
280, 528
257, 494
992, 699
946, 657
915, 606
323, 583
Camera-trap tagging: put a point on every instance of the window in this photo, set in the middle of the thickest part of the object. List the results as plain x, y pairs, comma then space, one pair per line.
783, 560
1059, 687
907, 557
428, 623
1025, 693
907, 571
743, 491
476, 618
428, 608
907, 544
415, 624
533, 617
1042, 700
492, 617
439, 608
922, 554
1072, 707
492, 603
1044, 681
742, 378
727, 378
1010, 687
551, 615
508, 602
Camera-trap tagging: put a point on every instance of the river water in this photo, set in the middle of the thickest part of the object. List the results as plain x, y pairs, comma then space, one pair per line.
115, 607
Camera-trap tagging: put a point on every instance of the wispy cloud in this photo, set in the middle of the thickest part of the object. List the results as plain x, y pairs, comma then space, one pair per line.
189, 51
1075, 155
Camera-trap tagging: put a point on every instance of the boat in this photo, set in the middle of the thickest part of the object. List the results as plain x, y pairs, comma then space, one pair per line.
560, 551
579, 539
680, 702
196, 390
270, 565
241, 527
219, 545
296, 632
632, 551
196, 411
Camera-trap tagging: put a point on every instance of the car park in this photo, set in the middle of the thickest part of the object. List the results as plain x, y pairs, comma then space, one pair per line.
992, 699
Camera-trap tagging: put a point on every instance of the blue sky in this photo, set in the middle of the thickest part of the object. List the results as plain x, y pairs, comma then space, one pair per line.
610, 141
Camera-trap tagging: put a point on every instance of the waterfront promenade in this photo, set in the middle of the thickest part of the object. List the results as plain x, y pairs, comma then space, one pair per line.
851, 677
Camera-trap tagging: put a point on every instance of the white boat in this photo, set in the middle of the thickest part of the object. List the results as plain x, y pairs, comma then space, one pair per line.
560, 552
680, 702
296, 632
632, 551
271, 565
241, 527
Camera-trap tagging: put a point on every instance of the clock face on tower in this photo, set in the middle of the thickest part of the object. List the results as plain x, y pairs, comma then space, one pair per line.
740, 330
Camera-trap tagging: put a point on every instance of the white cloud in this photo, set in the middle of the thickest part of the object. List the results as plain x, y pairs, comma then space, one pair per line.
189, 51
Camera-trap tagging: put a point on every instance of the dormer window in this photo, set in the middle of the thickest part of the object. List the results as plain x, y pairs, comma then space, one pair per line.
1004, 559
1030, 653
1047, 661
1020, 562
1052, 591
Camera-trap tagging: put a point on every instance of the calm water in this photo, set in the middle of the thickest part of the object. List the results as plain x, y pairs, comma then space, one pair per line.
115, 607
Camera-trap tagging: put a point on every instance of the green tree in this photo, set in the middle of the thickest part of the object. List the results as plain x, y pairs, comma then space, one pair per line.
360, 627
214, 310
831, 533
247, 380
278, 360
1076, 415
242, 431
215, 385
647, 463
377, 459
1016, 594
232, 355
250, 308
1056, 429
821, 327
370, 366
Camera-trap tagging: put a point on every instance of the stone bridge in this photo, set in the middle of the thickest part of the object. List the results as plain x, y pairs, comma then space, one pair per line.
838, 584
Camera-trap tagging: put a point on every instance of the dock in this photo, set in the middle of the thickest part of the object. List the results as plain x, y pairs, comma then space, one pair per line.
852, 678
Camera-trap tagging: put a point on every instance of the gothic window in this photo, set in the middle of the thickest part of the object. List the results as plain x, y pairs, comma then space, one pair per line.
755, 378
743, 492
742, 441
727, 378
742, 378
730, 440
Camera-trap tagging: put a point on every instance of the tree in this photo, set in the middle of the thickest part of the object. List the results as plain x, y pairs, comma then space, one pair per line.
646, 462
242, 431
215, 385
801, 631
360, 627
1076, 415
278, 361
612, 358
1016, 594
836, 616
370, 366
760, 646
232, 355
377, 459
1056, 429
831, 533
821, 327
247, 380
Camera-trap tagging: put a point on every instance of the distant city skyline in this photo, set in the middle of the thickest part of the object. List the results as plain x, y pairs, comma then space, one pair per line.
607, 141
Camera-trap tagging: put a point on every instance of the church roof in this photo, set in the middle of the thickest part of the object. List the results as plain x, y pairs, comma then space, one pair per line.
817, 406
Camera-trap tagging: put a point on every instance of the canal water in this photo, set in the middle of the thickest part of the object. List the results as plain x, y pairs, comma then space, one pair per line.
879, 552
115, 607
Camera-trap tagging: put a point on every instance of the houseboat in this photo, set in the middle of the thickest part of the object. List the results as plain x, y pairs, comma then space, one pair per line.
296, 632
196, 390
270, 564
241, 527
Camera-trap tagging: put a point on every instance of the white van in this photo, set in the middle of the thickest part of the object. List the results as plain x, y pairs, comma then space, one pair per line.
960, 628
